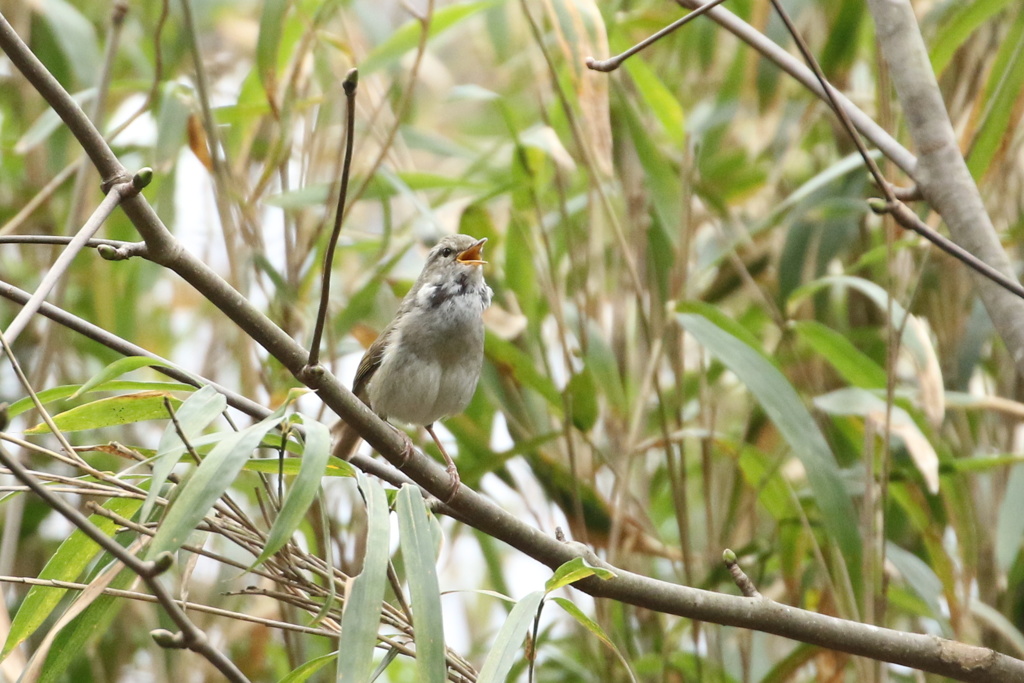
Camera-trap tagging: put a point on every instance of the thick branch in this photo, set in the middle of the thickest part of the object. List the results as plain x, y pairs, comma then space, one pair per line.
941, 174
927, 653
803, 75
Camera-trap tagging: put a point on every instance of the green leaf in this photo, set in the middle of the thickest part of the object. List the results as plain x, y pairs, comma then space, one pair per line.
918, 576
86, 627
603, 364
53, 394
787, 411
119, 367
197, 412
1002, 91
916, 343
659, 99
290, 466
509, 640
581, 392
303, 491
269, 41
856, 367
407, 36
364, 301
66, 564
996, 621
573, 571
417, 542
1010, 522
361, 616
49, 121
109, 412
521, 367
959, 24
76, 37
209, 481
303, 671
595, 628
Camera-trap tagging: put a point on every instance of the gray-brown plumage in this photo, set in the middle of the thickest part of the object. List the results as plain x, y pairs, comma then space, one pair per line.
426, 363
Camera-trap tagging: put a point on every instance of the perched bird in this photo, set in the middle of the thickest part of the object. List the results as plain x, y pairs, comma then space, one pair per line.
426, 363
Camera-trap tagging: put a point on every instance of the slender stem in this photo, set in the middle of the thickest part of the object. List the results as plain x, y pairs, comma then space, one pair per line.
615, 62
925, 652
350, 84
196, 607
114, 197
190, 636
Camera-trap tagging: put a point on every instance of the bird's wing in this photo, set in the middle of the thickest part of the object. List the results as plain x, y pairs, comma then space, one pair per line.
375, 354
369, 364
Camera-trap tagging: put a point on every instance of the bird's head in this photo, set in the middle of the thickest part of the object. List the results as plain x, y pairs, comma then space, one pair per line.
455, 257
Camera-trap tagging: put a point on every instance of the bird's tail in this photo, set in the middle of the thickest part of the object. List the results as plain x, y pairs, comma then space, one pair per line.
346, 440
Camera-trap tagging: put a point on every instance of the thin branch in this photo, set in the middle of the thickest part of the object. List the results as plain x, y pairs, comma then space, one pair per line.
615, 62
190, 636
942, 174
925, 652
739, 577
903, 215
192, 606
406, 97
115, 196
350, 84
126, 348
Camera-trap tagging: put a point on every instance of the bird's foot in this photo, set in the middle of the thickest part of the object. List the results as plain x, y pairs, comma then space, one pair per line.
407, 448
453, 474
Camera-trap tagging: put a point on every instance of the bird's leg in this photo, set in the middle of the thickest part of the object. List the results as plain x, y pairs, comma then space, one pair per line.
407, 447
453, 471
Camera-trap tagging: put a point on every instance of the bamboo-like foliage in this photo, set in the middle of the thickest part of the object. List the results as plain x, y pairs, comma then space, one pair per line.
701, 338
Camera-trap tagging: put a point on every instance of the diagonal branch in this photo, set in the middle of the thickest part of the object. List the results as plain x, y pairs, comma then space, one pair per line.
924, 652
941, 173
115, 196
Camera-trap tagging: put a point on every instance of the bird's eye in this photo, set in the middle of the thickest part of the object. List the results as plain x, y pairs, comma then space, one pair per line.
447, 251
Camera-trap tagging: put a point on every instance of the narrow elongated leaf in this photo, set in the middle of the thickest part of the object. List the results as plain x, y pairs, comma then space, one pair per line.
303, 491
522, 368
963, 19
194, 415
116, 369
595, 628
855, 366
110, 412
417, 542
574, 570
49, 121
995, 620
52, 394
66, 564
210, 480
919, 577
303, 671
509, 640
86, 627
581, 393
291, 466
787, 411
856, 401
271, 28
76, 38
361, 617
408, 35
1010, 523
1002, 91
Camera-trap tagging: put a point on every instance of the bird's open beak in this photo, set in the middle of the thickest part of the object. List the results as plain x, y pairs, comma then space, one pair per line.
471, 256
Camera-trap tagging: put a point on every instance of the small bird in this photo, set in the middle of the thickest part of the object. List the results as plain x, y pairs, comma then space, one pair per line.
426, 363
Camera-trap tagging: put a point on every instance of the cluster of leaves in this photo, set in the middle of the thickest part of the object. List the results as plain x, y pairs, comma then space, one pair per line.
700, 338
